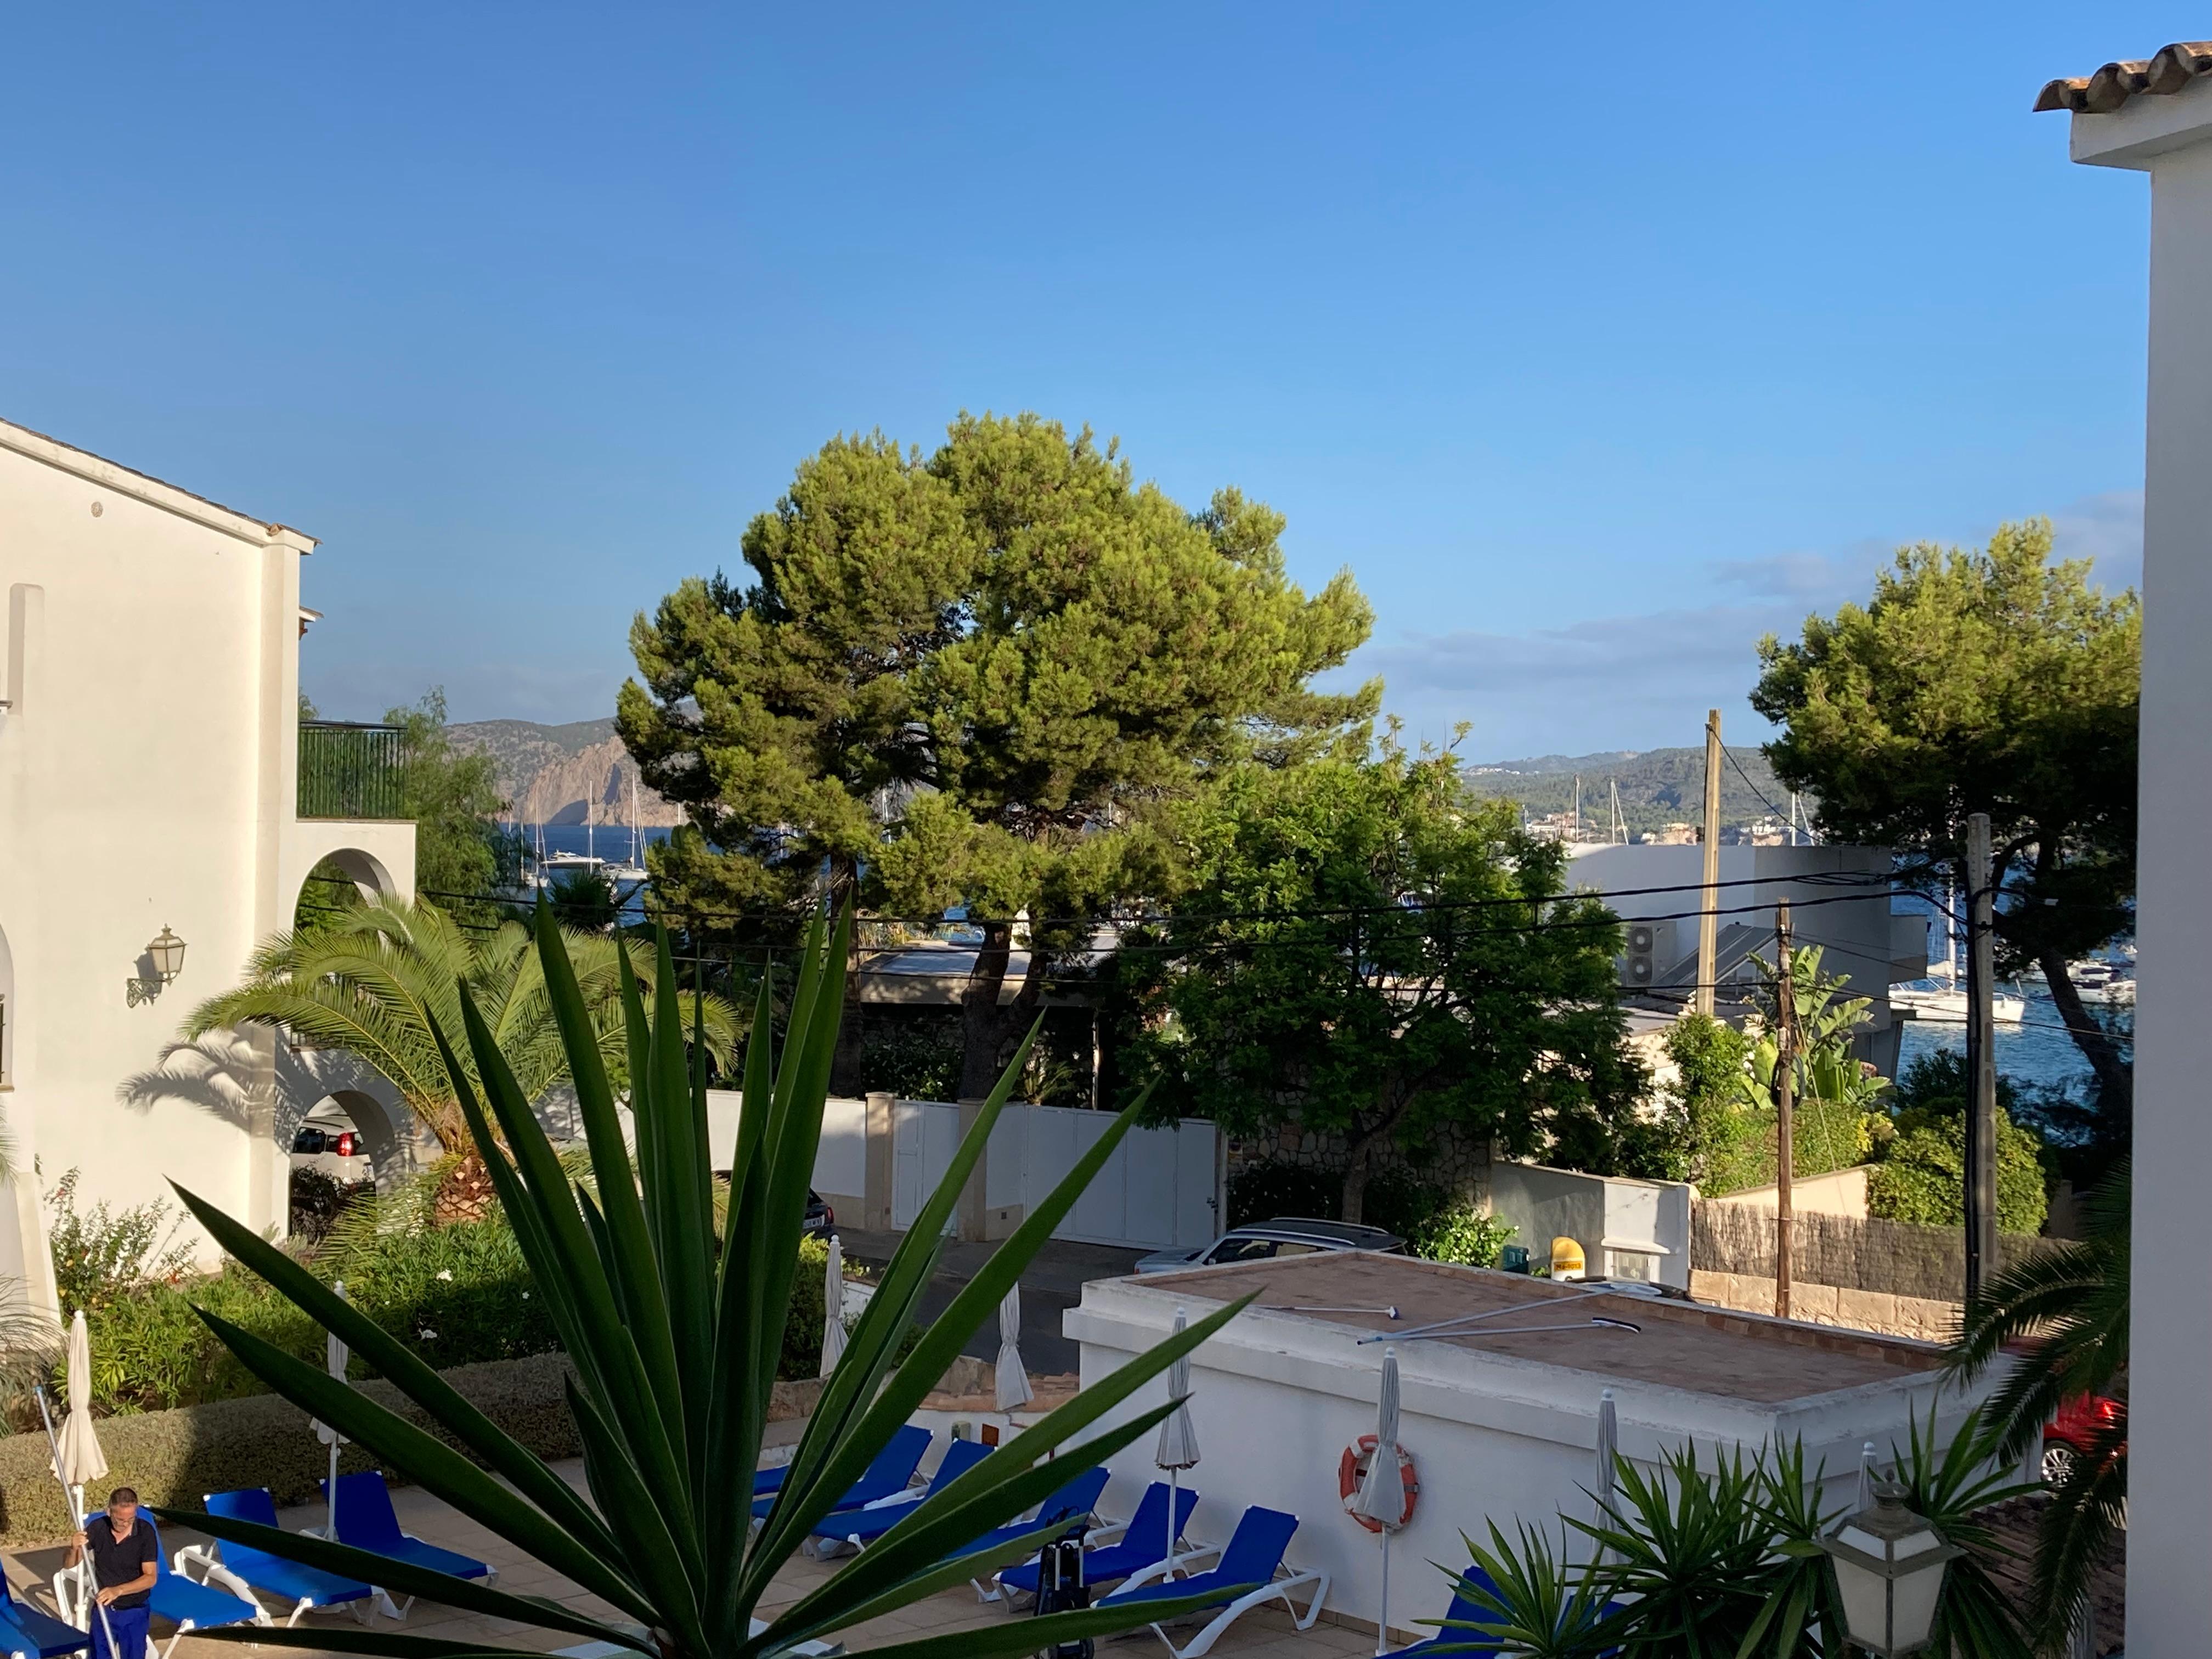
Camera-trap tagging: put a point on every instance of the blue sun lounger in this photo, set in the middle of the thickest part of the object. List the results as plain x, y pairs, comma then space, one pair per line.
1455, 1633
1075, 1502
185, 1605
244, 1569
1251, 1557
368, 1522
888, 1475
1142, 1542
27, 1633
862, 1525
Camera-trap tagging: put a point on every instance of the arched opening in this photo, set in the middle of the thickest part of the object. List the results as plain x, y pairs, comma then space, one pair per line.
340, 880
343, 1144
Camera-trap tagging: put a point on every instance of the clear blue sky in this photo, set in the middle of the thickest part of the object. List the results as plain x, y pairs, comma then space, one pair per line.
1594, 342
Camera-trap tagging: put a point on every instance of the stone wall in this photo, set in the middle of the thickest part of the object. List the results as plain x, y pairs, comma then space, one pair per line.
1893, 1258
1922, 1318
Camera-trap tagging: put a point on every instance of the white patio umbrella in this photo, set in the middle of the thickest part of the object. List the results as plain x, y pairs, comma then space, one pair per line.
77, 1455
1177, 1446
1863, 1500
1381, 1496
79, 1458
833, 1308
1012, 1388
1608, 1448
335, 1355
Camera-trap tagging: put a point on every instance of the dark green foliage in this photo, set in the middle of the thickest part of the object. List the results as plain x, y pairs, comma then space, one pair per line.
913, 1058
2059, 1318
1922, 1174
675, 1328
971, 676
454, 799
1260, 1191
1362, 954
1987, 680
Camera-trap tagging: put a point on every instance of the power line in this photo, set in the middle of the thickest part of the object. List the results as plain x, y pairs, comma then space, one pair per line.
1748, 784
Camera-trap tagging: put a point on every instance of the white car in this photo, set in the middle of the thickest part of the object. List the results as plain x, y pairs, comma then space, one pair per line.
327, 1142
1263, 1241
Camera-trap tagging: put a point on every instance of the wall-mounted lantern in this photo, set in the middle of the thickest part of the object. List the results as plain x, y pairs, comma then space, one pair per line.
166, 952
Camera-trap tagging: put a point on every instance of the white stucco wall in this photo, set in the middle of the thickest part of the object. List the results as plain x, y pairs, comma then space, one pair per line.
1276, 1398
2170, 1345
148, 767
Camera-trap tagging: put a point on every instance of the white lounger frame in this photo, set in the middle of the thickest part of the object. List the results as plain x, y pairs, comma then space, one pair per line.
1213, 1630
212, 1571
68, 1602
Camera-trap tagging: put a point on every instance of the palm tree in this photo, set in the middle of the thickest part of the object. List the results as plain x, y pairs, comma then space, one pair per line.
381, 980
2062, 1314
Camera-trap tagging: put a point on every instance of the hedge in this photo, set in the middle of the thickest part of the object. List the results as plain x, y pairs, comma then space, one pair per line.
176, 1457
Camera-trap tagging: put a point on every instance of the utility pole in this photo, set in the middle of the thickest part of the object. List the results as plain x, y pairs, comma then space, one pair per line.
1708, 920
1981, 1059
1785, 1104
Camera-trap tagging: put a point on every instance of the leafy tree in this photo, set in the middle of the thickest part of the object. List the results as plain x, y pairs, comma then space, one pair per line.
1922, 1178
1982, 681
1706, 1111
460, 847
1366, 952
965, 682
380, 979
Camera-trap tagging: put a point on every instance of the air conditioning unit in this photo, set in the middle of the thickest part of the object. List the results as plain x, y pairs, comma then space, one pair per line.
1639, 964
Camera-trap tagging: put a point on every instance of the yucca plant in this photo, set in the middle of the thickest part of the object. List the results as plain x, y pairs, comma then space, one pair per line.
1539, 1605
674, 1348
1952, 1489
1688, 1549
1803, 1613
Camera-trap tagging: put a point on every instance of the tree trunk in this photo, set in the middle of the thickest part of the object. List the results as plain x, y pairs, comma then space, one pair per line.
1359, 1159
466, 1193
982, 1024
848, 1074
2116, 1081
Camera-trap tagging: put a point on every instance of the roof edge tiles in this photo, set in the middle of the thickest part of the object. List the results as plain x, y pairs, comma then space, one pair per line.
2174, 67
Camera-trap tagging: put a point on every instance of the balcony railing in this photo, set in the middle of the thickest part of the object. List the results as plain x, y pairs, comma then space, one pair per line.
349, 771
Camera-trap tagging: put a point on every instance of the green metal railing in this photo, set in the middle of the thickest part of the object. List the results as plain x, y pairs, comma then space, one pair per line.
349, 771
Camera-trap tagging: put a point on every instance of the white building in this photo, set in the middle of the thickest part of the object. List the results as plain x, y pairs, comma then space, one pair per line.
151, 750
2155, 117
1838, 898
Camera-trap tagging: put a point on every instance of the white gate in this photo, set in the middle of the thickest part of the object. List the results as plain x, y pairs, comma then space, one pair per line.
925, 1135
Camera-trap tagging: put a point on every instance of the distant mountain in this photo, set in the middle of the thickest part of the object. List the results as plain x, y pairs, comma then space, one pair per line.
1658, 787
554, 773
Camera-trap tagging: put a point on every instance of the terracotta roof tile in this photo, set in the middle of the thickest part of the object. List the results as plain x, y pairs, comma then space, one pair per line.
2100, 93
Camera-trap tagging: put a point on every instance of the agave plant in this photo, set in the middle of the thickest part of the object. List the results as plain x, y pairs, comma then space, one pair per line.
1689, 1550
675, 1344
1538, 1605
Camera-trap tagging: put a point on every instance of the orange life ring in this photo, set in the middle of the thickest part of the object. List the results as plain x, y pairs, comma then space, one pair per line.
1352, 1474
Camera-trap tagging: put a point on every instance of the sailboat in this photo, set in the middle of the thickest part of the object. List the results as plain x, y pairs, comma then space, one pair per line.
633, 870
1941, 999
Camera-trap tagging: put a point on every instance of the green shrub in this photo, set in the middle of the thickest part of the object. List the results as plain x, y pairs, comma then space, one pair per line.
1462, 1235
176, 1457
108, 1253
1923, 1179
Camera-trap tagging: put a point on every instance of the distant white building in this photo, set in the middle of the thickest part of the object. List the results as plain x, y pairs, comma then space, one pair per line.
153, 794
1838, 898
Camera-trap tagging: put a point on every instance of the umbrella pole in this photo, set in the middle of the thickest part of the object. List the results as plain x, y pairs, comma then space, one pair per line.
54, 1443
1382, 1618
1168, 1555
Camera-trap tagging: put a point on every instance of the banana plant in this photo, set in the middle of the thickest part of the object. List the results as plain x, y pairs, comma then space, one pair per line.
674, 1336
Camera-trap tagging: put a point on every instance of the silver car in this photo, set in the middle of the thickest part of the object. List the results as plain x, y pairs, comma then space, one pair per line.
1263, 1241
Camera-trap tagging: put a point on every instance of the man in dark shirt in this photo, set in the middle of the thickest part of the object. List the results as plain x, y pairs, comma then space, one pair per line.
123, 1555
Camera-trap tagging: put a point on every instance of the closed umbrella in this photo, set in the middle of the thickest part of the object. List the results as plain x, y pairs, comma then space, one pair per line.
833, 1308
77, 1457
1177, 1448
1381, 1496
1012, 1389
335, 1355
1864, 1500
1608, 1449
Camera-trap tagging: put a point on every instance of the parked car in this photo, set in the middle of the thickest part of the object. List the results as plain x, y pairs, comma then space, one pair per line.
327, 1142
1262, 1241
821, 1220
2072, 1434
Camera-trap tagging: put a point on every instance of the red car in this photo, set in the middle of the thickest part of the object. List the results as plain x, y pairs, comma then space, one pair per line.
2073, 1434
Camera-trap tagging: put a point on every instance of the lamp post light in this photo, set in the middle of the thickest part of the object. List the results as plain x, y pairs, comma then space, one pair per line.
166, 952
1889, 1571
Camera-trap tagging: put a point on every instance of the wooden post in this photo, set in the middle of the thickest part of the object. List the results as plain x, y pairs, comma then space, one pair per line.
1785, 1102
1981, 1173
1710, 903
